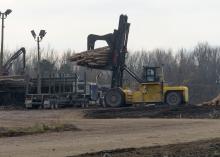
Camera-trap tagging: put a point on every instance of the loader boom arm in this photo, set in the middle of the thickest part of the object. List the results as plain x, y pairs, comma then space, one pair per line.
10, 61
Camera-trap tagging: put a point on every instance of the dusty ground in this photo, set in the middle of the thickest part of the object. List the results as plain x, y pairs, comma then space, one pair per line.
98, 134
203, 148
189, 111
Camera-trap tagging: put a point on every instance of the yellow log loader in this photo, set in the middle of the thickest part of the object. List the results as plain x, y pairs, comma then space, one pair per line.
152, 88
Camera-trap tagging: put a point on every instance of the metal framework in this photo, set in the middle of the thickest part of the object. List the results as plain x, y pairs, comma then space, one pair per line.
117, 41
11, 60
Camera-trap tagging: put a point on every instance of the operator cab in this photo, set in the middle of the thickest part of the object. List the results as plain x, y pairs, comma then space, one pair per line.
152, 74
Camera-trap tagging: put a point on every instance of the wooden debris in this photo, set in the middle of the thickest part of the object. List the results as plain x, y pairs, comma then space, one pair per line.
213, 102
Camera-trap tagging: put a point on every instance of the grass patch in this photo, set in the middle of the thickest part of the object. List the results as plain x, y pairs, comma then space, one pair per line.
36, 129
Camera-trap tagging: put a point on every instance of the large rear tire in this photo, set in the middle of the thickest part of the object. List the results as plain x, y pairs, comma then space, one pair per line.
173, 98
115, 98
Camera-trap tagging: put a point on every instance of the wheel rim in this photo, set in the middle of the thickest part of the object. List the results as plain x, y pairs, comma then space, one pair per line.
173, 98
114, 98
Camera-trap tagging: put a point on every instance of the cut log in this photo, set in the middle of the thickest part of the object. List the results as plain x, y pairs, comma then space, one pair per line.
99, 57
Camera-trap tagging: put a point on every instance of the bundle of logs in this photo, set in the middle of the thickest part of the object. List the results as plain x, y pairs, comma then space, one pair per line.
97, 58
12, 81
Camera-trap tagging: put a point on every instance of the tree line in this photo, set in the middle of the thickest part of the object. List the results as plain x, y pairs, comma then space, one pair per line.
197, 68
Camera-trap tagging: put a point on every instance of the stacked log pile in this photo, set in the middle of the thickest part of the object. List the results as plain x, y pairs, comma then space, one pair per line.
12, 81
96, 58
12, 77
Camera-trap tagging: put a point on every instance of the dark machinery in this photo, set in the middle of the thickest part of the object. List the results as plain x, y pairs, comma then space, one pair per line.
11, 60
117, 41
12, 87
151, 90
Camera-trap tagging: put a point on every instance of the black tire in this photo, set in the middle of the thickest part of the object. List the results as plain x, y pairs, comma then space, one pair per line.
115, 98
173, 98
39, 107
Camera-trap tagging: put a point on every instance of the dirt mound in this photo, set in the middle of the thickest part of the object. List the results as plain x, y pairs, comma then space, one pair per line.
36, 129
189, 111
209, 148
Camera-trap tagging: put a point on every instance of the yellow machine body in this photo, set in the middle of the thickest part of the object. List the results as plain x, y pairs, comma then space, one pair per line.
154, 93
152, 90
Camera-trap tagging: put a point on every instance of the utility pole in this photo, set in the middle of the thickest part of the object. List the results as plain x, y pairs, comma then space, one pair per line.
2, 42
38, 66
38, 39
3, 16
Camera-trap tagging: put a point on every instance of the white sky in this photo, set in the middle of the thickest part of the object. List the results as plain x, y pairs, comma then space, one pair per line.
154, 23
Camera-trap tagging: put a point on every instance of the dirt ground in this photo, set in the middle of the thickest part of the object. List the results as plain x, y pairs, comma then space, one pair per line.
97, 134
189, 111
208, 148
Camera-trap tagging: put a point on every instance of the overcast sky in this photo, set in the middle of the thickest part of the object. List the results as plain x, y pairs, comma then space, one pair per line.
154, 23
